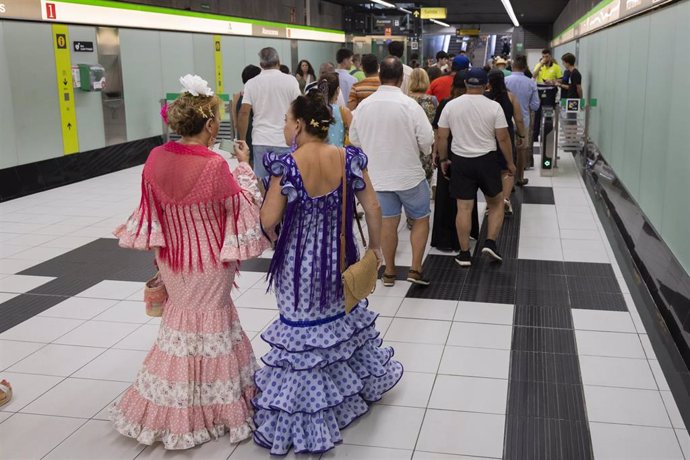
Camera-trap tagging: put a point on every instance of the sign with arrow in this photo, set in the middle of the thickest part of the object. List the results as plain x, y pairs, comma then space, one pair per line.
218, 60
63, 72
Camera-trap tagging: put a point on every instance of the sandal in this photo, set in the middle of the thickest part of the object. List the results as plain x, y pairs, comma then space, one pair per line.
5, 392
388, 280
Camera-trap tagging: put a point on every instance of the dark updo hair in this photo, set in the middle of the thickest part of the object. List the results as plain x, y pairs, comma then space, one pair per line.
314, 111
188, 114
333, 82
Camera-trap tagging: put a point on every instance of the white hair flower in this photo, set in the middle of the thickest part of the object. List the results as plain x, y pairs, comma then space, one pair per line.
195, 85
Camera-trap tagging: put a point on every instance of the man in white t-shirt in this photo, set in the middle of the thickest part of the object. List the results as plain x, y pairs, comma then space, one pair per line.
397, 49
269, 95
476, 122
344, 59
393, 129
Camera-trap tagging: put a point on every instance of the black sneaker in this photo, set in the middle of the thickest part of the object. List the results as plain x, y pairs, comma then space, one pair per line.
490, 250
464, 259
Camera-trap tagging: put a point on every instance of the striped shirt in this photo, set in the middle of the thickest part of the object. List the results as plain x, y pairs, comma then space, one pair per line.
361, 90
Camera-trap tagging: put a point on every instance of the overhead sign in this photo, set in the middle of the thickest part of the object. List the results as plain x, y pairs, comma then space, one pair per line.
218, 61
83, 47
63, 72
434, 13
20, 9
467, 32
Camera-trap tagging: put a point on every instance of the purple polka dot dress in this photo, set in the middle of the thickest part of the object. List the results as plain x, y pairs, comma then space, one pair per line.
324, 367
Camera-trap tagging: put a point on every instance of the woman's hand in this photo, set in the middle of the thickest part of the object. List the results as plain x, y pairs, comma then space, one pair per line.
241, 151
379, 257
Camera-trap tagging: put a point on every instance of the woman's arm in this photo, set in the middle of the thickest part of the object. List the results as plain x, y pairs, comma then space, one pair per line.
517, 115
274, 205
372, 215
347, 117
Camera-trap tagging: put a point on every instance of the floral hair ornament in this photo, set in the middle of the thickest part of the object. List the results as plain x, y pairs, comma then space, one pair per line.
314, 123
164, 113
195, 85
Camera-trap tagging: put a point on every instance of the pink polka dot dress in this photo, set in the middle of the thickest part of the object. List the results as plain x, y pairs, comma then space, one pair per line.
197, 382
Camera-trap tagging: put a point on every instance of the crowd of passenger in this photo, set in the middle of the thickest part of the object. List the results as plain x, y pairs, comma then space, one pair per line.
309, 147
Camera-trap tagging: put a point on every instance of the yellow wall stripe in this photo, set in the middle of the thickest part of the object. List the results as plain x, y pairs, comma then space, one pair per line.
63, 72
218, 59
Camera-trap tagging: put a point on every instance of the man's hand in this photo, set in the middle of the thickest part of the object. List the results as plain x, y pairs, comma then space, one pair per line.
445, 167
511, 168
241, 151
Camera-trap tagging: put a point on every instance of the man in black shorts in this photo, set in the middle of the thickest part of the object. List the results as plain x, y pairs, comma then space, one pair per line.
476, 123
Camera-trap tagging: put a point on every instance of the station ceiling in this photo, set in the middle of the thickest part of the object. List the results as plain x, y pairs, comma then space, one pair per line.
483, 11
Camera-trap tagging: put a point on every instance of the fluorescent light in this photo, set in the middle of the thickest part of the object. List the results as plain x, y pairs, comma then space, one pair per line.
386, 4
511, 13
404, 10
439, 23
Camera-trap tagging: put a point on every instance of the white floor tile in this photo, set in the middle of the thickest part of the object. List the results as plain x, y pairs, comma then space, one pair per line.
117, 290
40, 329
659, 375
469, 394
382, 324
480, 335
580, 234
647, 346
540, 248
614, 344
96, 439
258, 299
97, 334
417, 357
399, 290
5, 415
617, 372
427, 309
346, 451
247, 450
569, 197
462, 433
254, 319
672, 408
616, 442
18, 434
384, 306
41, 253
600, 320
125, 311
418, 331
22, 283
76, 398
118, 365
69, 242
413, 390
419, 455
79, 308
141, 339
684, 441
386, 426
584, 251
478, 312
58, 360
12, 266
626, 406
26, 388
475, 362
12, 352
5, 296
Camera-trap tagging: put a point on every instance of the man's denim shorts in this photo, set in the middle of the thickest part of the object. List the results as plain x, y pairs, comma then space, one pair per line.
416, 202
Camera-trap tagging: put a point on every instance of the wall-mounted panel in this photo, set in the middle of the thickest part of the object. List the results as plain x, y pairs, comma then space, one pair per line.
177, 59
8, 150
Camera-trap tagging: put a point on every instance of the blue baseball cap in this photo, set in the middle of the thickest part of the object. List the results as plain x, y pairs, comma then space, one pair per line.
460, 63
476, 76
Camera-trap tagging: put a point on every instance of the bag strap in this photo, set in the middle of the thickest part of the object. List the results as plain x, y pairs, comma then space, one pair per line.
344, 213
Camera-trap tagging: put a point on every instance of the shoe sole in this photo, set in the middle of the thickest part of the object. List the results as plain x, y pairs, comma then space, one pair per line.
492, 254
418, 282
463, 263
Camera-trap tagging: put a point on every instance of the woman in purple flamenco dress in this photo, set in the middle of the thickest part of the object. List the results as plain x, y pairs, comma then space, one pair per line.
324, 368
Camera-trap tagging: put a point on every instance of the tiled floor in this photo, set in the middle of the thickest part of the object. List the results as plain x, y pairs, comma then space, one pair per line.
566, 354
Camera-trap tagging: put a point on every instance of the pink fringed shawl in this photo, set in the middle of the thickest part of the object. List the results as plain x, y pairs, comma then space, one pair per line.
194, 210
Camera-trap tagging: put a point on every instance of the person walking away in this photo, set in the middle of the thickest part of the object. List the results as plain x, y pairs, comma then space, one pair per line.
344, 60
546, 72
525, 89
324, 69
444, 234
476, 122
397, 49
498, 92
441, 86
394, 129
197, 382
248, 73
356, 69
329, 86
325, 368
269, 95
365, 88
304, 74
419, 84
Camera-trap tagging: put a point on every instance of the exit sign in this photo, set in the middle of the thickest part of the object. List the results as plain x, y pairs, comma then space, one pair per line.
434, 13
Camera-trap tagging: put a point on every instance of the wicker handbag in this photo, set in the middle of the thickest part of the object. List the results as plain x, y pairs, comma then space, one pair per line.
155, 296
359, 279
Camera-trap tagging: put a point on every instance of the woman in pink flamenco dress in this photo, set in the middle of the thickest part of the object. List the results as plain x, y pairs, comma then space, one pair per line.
197, 382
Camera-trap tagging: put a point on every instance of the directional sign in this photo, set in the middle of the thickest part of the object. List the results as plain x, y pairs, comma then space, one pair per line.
415, 13
434, 13
218, 59
63, 72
